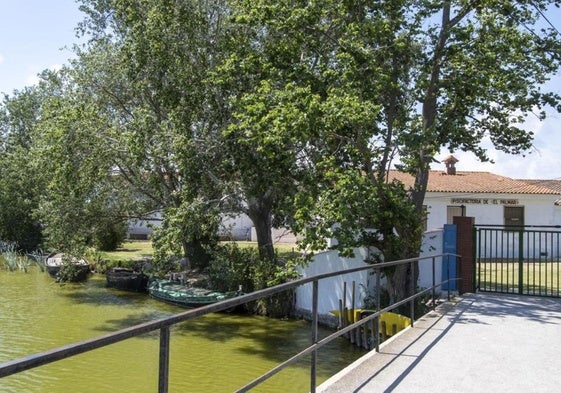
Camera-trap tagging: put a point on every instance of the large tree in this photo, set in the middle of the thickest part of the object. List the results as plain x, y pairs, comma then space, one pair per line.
19, 188
79, 195
393, 82
145, 68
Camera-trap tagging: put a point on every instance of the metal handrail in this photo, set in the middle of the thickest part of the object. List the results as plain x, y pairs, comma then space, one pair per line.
164, 324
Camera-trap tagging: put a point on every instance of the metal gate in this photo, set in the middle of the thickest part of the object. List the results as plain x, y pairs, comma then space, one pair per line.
519, 260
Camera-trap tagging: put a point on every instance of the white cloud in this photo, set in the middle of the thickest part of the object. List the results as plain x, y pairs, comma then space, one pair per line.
543, 161
33, 74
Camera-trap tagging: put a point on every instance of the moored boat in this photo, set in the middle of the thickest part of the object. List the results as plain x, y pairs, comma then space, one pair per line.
180, 294
127, 279
76, 269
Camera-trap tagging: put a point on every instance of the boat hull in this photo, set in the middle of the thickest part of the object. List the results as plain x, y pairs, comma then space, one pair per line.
127, 280
55, 262
178, 294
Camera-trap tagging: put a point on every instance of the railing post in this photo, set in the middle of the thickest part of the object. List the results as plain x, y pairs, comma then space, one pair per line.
521, 261
433, 284
163, 377
412, 283
314, 336
448, 274
377, 319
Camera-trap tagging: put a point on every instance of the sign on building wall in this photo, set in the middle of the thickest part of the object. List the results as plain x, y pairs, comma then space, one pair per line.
484, 201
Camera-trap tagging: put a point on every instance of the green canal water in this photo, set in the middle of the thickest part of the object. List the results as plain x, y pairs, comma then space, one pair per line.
216, 353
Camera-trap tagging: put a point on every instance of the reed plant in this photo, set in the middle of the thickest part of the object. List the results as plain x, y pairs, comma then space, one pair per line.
12, 259
38, 258
9, 255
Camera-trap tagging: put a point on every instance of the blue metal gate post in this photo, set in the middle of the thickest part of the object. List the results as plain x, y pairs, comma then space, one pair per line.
449, 247
476, 260
412, 292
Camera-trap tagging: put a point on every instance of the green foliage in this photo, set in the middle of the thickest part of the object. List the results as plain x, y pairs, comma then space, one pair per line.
108, 236
189, 231
70, 272
233, 266
20, 188
289, 111
146, 70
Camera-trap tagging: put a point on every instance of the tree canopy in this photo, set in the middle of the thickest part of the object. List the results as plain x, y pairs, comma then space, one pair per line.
292, 112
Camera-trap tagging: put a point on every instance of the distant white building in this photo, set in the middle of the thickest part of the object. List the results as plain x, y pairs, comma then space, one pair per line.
142, 229
233, 228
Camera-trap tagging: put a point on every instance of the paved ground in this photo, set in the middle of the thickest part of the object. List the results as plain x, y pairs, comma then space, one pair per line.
477, 343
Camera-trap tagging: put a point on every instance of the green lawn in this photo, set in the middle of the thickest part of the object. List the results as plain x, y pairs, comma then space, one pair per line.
138, 249
504, 276
134, 250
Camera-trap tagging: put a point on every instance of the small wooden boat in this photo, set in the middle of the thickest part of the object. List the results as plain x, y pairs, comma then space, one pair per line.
67, 268
127, 279
180, 294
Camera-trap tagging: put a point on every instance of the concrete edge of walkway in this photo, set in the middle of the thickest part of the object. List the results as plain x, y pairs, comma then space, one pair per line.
440, 310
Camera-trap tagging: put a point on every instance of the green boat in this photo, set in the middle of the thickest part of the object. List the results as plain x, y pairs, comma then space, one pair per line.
183, 295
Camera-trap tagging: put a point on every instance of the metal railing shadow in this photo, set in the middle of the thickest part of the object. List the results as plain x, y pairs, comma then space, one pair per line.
164, 325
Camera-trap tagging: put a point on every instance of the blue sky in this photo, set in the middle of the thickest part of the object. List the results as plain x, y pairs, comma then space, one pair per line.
33, 34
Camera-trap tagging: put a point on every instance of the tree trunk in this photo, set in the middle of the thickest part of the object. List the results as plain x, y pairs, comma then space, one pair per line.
397, 283
264, 237
187, 251
260, 212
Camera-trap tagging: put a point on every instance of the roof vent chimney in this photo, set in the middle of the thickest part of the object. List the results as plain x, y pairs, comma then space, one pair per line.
450, 162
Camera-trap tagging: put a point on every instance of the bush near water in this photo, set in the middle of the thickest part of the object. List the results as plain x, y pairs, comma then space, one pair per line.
232, 266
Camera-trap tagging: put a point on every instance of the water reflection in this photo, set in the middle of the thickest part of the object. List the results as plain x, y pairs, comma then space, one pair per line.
218, 353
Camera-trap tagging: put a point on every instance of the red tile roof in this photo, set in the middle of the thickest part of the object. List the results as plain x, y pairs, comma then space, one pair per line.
481, 182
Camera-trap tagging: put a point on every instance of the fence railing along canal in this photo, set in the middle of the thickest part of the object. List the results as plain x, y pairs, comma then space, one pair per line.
164, 325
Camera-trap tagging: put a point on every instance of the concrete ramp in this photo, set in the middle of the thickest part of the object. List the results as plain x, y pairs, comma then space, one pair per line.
476, 343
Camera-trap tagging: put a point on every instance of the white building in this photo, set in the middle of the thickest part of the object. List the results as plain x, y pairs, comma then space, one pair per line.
491, 199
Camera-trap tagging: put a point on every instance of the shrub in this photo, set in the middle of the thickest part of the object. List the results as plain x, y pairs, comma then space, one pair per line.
109, 236
232, 266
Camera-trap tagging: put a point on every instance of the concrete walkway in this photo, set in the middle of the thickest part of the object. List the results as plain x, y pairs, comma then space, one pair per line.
476, 343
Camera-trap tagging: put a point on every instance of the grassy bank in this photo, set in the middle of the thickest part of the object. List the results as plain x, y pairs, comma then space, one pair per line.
137, 250
134, 250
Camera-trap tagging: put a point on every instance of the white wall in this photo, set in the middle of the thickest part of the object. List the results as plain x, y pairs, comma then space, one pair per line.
236, 228
432, 245
144, 228
331, 289
280, 236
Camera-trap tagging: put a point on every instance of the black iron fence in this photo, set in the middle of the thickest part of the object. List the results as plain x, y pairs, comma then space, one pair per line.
164, 325
518, 260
